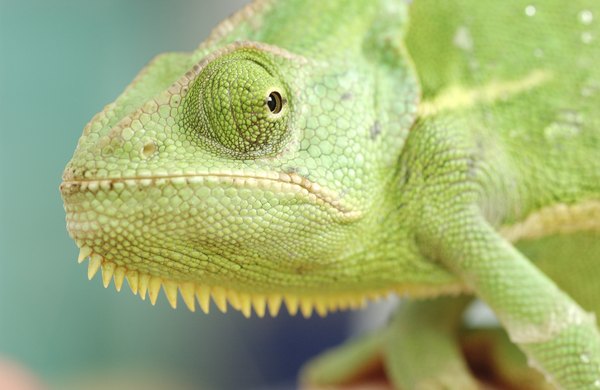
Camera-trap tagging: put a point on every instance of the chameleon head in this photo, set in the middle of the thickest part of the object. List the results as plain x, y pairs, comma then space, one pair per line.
246, 174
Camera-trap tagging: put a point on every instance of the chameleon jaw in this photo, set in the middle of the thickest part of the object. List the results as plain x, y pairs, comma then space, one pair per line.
147, 285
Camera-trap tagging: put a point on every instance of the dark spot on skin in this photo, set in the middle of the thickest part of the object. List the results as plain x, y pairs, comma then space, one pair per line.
87, 172
375, 130
472, 162
472, 168
149, 149
290, 170
346, 96
405, 175
480, 145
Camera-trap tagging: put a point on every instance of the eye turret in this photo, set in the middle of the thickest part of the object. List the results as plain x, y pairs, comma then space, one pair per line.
240, 105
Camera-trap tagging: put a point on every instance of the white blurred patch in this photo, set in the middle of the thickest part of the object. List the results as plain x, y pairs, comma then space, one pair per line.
479, 315
375, 315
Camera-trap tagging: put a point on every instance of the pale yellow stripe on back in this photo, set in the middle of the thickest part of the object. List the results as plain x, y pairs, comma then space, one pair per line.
458, 97
556, 219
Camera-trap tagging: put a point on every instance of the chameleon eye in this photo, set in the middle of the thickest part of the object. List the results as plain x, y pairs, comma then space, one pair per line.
275, 102
237, 106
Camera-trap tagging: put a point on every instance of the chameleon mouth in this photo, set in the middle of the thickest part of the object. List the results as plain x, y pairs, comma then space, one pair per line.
146, 285
275, 181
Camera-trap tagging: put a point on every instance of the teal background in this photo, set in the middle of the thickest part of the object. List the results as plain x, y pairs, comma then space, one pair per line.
60, 63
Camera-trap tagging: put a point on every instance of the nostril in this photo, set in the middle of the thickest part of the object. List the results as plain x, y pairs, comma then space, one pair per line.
149, 149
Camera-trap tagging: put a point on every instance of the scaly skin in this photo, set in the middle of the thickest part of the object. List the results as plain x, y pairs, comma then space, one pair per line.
327, 152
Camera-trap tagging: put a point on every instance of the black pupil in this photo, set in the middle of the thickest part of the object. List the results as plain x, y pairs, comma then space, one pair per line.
274, 102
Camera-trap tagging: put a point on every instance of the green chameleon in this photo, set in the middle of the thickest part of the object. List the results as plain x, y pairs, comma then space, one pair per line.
323, 153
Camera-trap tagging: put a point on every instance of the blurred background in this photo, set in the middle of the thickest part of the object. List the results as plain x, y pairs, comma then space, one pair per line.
60, 62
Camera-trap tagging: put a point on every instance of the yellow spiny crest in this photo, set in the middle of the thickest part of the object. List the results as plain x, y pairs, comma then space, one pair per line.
187, 291
203, 296
154, 288
149, 285
274, 304
132, 279
94, 265
144, 281
108, 270
84, 253
119, 277
170, 288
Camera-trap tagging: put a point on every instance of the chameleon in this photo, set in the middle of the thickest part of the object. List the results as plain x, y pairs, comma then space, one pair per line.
323, 154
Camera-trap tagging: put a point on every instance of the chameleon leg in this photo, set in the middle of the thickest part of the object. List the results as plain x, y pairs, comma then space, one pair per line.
422, 351
418, 348
556, 334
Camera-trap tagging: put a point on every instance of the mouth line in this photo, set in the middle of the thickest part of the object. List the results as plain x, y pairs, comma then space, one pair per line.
292, 182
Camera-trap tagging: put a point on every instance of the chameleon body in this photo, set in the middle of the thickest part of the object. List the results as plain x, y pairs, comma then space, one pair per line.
324, 153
